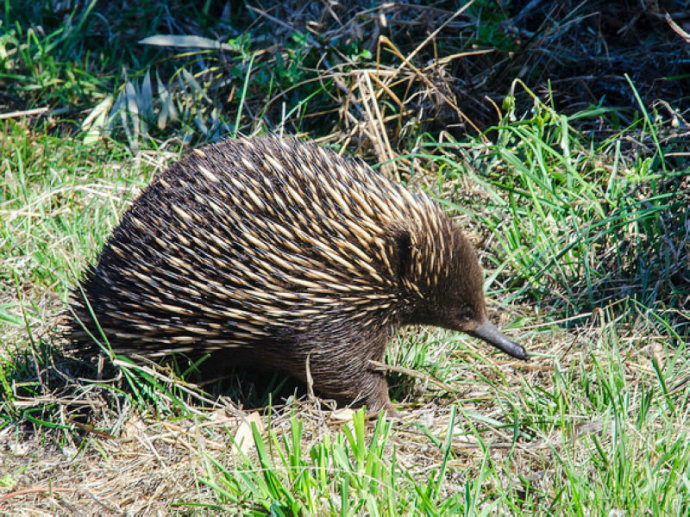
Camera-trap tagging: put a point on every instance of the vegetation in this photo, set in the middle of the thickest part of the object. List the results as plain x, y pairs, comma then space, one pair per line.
557, 134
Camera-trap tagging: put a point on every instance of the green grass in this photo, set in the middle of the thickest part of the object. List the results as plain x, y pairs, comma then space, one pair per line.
577, 222
583, 234
591, 442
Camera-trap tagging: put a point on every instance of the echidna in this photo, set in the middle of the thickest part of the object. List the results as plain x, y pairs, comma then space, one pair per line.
289, 254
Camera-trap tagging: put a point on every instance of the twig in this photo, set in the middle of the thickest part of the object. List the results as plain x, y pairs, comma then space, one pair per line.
380, 140
26, 113
425, 80
310, 380
36, 490
676, 28
382, 367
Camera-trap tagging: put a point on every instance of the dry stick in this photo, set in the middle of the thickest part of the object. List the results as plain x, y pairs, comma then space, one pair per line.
451, 57
146, 442
379, 132
359, 125
310, 380
382, 367
425, 42
27, 113
429, 84
495, 106
310, 383
674, 26
435, 33
379, 118
36, 490
386, 88
374, 75
91, 429
395, 74
405, 61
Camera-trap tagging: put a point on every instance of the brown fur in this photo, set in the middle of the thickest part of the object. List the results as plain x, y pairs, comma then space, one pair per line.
286, 252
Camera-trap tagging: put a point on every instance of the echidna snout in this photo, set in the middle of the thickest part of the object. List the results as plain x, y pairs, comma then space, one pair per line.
489, 333
460, 303
288, 254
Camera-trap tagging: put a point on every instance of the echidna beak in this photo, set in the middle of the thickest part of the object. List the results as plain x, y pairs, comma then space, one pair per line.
489, 333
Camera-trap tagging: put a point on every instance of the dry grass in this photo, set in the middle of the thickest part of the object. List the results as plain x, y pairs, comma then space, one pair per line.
144, 463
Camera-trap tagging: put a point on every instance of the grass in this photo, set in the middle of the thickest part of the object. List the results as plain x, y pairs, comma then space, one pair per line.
578, 209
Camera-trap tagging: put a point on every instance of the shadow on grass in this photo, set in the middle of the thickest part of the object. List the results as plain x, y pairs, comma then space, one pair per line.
47, 389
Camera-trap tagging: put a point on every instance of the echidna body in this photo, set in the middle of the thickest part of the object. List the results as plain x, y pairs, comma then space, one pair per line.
287, 253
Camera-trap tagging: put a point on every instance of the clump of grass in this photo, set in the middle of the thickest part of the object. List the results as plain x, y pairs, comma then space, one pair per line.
352, 472
341, 474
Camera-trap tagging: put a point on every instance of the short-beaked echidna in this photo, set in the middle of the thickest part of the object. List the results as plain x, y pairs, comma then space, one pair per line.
290, 253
